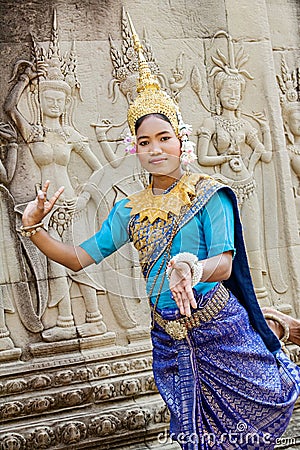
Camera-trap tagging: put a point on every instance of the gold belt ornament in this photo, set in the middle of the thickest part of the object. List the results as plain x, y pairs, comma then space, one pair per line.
178, 328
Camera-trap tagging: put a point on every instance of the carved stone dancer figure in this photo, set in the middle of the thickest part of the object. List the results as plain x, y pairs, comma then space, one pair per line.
290, 102
223, 140
52, 84
9, 257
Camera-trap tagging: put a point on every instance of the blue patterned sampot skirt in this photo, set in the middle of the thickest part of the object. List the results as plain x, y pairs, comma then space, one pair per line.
223, 387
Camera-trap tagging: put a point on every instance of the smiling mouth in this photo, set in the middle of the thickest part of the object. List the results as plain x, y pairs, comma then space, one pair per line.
157, 160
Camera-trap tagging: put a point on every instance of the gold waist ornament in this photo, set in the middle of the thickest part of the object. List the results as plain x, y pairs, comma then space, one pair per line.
178, 328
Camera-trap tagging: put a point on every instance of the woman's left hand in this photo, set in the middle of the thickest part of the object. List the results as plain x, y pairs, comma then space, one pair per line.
181, 287
36, 210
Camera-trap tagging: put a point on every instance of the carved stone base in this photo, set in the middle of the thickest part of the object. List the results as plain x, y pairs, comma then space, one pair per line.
10, 355
98, 396
138, 335
72, 345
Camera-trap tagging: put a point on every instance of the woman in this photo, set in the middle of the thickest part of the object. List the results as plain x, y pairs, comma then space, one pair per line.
218, 374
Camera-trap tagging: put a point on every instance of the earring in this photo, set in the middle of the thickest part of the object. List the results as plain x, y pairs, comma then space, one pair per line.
64, 119
218, 106
144, 177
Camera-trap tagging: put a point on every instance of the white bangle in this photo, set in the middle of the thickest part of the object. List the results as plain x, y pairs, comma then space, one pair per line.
196, 266
30, 230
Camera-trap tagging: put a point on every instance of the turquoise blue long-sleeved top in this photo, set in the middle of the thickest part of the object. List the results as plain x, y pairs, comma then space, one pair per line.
209, 233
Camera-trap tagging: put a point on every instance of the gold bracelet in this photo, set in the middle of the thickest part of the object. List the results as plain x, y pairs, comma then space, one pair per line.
31, 230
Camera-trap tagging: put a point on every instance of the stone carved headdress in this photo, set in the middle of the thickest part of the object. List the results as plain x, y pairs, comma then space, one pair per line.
59, 73
231, 67
289, 84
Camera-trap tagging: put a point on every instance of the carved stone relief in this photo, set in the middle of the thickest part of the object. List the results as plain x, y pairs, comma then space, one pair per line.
290, 102
52, 88
230, 148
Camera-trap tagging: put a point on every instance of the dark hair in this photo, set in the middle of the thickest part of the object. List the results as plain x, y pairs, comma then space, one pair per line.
139, 122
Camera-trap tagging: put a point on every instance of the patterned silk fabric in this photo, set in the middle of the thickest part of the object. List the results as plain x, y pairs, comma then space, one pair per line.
224, 389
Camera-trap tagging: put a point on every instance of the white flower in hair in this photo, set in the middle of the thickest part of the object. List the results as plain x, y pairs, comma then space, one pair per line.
130, 141
188, 155
187, 147
185, 129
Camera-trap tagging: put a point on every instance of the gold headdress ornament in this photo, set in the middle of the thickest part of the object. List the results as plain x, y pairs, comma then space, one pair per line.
151, 98
125, 63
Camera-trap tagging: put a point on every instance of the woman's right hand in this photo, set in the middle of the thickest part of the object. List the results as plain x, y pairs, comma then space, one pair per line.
36, 210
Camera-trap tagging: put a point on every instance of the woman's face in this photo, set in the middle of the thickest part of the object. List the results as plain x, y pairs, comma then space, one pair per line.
230, 94
294, 122
158, 148
53, 103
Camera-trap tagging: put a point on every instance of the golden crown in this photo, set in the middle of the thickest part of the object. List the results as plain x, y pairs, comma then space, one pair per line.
151, 98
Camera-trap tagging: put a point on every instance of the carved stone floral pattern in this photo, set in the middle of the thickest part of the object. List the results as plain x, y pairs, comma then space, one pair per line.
40, 405
13, 441
150, 384
130, 387
137, 419
69, 377
121, 367
64, 377
104, 391
162, 415
42, 438
11, 409
73, 398
105, 425
39, 382
71, 433
14, 386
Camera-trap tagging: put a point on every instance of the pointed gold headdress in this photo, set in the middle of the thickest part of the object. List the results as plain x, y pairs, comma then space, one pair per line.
151, 98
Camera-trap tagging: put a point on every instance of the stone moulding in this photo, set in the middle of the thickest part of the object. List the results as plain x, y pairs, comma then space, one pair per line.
104, 428
71, 401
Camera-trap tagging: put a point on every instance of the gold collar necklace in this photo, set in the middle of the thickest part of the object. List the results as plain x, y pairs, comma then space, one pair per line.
146, 204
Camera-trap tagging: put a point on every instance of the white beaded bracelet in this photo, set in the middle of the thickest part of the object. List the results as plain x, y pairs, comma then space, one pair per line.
196, 266
30, 230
